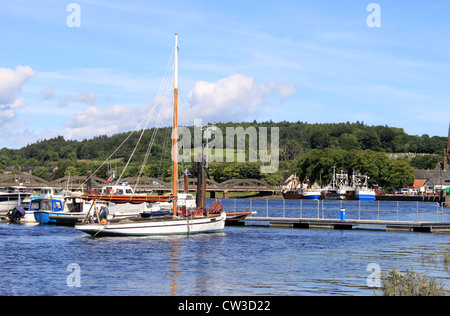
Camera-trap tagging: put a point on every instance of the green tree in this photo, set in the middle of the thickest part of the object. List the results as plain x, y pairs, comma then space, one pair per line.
400, 174
272, 178
368, 139
42, 172
348, 142
426, 162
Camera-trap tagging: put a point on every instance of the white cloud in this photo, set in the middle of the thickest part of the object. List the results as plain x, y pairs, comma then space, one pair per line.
231, 98
48, 92
8, 111
86, 97
234, 97
11, 81
93, 121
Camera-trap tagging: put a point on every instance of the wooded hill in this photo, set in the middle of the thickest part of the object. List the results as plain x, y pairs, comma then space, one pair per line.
296, 140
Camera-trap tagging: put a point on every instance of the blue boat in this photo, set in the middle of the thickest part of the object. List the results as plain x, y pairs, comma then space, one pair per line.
45, 208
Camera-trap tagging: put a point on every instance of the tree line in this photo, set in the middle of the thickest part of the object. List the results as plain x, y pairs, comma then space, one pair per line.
304, 148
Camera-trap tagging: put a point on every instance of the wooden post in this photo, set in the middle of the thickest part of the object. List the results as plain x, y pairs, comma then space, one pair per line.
201, 186
89, 181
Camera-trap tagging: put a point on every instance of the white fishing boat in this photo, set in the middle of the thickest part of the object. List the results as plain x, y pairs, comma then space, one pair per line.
362, 191
338, 187
310, 194
199, 221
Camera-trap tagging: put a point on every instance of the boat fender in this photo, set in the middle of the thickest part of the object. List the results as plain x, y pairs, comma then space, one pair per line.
103, 213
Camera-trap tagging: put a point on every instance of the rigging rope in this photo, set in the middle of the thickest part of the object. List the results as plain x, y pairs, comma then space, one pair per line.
165, 86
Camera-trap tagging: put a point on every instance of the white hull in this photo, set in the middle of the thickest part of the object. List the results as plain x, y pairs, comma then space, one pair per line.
28, 218
156, 226
365, 195
311, 195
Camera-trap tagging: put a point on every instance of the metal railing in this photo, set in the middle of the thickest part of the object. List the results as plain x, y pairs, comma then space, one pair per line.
328, 209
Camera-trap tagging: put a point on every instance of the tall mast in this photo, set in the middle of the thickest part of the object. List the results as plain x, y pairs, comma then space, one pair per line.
175, 131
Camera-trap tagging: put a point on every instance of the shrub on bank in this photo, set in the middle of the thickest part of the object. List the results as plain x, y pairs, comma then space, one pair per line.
395, 283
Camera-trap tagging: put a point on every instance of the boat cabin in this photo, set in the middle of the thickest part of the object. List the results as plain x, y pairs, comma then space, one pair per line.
46, 205
117, 190
49, 193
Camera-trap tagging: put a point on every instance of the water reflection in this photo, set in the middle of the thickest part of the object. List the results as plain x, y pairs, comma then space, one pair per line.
173, 267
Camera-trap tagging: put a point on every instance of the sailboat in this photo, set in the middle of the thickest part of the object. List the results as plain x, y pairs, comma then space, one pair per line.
185, 223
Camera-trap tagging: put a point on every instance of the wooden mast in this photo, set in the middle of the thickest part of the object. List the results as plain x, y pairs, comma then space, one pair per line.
175, 132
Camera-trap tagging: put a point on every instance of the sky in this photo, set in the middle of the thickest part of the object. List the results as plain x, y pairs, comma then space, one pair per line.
97, 69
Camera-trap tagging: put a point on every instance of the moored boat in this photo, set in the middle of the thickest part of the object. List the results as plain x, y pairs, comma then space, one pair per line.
361, 185
180, 222
13, 196
290, 188
311, 194
338, 187
365, 194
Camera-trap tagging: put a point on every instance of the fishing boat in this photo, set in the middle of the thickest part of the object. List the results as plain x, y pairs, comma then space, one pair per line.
338, 187
65, 211
179, 222
361, 185
42, 209
310, 194
290, 188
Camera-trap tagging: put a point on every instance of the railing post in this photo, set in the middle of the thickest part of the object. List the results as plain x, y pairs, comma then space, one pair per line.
417, 213
318, 209
397, 211
284, 205
437, 212
267, 208
359, 210
301, 208
323, 216
378, 211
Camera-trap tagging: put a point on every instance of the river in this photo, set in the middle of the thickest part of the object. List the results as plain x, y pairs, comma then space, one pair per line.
51, 260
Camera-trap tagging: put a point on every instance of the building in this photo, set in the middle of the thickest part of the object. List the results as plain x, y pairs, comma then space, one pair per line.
440, 176
424, 185
447, 153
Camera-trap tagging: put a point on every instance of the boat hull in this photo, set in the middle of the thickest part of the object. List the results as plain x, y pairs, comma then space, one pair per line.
291, 195
156, 226
365, 196
54, 217
311, 195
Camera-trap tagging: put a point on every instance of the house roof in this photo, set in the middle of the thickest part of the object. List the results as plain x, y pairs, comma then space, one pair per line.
418, 183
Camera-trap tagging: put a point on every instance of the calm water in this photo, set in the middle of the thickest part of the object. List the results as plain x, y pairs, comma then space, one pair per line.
239, 261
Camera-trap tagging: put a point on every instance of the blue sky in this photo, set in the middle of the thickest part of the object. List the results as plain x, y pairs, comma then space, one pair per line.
311, 61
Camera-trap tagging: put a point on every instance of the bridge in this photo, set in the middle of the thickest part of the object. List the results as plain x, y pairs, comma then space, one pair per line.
142, 184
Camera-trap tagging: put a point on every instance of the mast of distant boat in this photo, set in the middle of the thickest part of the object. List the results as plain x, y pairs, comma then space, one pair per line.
175, 131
